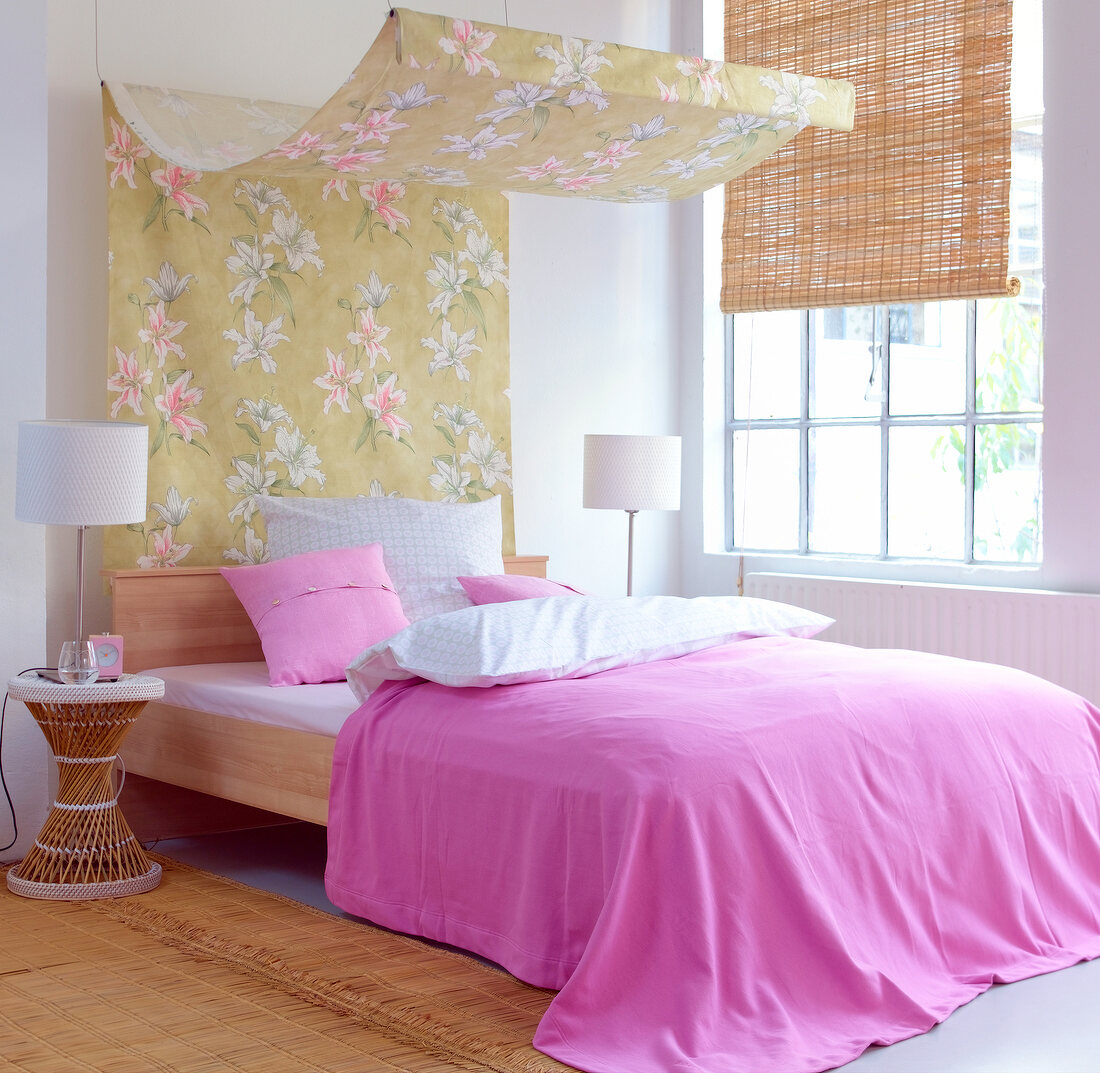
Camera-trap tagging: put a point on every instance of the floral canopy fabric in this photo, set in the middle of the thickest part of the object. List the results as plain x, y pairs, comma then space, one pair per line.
454, 103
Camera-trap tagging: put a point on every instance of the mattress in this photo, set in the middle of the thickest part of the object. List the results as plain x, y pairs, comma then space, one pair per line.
241, 690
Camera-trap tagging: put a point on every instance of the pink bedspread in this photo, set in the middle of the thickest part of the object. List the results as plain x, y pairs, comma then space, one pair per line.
761, 858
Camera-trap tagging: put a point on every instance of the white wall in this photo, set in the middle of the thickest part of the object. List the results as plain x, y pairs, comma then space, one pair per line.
23, 314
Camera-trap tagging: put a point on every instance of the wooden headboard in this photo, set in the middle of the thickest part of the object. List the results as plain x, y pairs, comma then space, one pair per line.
184, 615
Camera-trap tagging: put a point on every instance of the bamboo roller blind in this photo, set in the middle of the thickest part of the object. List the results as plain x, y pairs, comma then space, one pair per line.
910, 206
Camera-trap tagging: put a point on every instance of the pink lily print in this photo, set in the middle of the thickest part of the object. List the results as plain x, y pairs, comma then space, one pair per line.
129, 382
124, 153
706, 71
161, 332
370, 336
470, 44
377, 125
381, 406
338, 382
178, 397
304, 144
172, 182
166, 552
381, 197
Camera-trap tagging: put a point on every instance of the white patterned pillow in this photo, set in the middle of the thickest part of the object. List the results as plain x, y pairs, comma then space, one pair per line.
426, 545
541, 639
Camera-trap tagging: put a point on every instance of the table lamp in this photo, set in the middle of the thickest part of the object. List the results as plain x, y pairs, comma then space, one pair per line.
632, 473
81, 473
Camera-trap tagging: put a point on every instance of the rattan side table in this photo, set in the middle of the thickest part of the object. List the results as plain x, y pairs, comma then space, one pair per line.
85, 848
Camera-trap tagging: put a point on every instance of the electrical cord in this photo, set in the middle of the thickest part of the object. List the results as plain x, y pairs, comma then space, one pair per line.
3, 781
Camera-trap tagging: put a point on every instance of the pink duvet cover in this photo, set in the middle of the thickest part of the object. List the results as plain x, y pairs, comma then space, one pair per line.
760, 858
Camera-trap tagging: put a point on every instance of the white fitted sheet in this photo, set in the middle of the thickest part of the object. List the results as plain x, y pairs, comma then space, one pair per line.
241, 690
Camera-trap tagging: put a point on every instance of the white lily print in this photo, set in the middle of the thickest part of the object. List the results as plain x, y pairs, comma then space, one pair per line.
578, 64
299, 457
733, 127
254, 549
686, 169
521, 98
488, 261
449, 479
375, 490
655, 128
415, 96
266, 123
252, 480
441, 176
456, 214
169, 284
477, 147
261, 196
264, 413
793, 97
175, 508
447, 278
452, 352
489, 459
251, 264
257, 341
373, 292
458, 418
298, 242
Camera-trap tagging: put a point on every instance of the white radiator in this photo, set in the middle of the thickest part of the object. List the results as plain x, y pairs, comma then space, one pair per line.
1054, 635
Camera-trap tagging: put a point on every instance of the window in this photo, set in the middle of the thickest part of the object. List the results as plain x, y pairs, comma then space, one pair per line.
907, 431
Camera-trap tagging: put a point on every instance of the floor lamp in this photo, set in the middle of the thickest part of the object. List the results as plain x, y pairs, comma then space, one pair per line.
632, 473
81, 473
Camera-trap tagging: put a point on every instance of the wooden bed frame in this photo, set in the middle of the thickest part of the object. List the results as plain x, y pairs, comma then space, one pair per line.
181, 616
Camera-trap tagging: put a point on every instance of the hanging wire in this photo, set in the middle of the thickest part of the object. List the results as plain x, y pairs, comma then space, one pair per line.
506, 22
95, 15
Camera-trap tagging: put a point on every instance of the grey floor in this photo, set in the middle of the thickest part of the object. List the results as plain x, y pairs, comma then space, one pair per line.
1050, 1024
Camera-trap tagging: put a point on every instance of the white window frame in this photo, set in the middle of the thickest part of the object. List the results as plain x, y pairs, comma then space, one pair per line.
970, 418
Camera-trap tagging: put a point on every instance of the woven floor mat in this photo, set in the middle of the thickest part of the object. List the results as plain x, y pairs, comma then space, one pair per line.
205, 974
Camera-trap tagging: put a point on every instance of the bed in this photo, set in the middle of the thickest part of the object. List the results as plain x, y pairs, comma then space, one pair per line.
189, 616
735, 849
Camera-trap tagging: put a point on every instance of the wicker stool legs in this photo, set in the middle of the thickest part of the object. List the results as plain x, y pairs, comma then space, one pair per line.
85, 848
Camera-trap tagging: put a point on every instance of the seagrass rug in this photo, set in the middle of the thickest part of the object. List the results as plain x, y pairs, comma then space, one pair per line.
206, 974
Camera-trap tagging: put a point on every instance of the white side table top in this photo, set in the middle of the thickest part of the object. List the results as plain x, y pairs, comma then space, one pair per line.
29, 687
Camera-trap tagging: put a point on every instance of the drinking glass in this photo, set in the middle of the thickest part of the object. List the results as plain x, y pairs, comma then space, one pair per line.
77, 663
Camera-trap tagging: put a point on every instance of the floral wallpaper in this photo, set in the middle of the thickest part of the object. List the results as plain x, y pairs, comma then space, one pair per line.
461, 104
299, 336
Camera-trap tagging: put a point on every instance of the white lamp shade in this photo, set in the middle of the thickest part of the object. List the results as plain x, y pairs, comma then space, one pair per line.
632, 472
81, 472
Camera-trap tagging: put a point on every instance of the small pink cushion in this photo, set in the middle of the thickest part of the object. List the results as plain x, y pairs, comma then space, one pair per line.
500, 588
317, 611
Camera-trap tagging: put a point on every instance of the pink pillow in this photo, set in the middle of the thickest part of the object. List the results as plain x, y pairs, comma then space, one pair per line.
500, 588
317, 611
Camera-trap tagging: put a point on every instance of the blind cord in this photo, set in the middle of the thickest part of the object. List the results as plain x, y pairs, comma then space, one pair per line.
745, 468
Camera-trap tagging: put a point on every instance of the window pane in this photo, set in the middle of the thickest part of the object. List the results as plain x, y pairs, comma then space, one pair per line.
1007, 491
926, 516
844, 490
928, 358
767, 365
1009, 356
846, 380
765, 489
